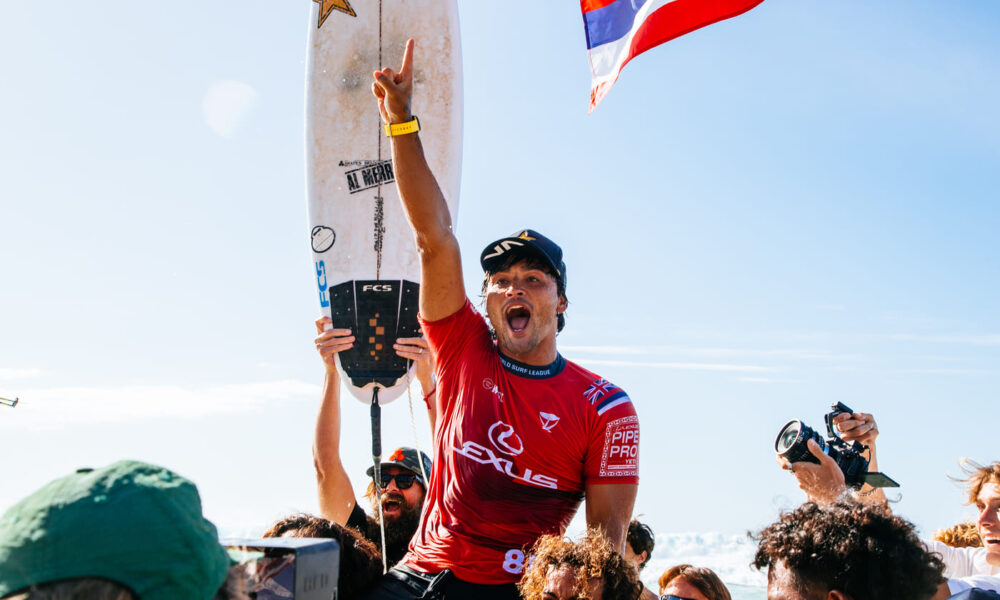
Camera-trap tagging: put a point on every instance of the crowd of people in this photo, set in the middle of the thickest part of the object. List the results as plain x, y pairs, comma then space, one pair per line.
522, 439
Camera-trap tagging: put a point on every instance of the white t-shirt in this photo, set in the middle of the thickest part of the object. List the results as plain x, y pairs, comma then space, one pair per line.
962, 562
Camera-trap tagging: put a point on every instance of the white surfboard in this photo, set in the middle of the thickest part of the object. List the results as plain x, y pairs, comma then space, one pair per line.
366, 265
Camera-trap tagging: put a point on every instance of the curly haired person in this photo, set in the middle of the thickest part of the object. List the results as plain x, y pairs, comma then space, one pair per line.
846, 551
588, 569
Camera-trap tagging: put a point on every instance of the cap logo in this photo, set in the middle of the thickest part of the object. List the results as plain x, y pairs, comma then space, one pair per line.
502, 247
524, 236
397, 456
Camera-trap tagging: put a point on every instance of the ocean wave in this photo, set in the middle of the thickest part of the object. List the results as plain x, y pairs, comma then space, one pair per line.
726, 554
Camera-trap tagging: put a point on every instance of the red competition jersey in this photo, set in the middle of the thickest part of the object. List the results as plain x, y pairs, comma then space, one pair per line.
514, 447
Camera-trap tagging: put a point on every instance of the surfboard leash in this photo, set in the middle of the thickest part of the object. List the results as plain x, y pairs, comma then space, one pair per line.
376, 408
376, 415
378, 190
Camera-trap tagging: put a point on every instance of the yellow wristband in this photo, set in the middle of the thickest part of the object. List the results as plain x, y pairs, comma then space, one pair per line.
394, 129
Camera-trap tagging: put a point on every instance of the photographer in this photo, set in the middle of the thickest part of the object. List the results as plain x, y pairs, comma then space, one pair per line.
824, 483
819, 481
360, 564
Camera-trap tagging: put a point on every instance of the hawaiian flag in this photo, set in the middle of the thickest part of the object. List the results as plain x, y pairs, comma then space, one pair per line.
619, 30
605, 395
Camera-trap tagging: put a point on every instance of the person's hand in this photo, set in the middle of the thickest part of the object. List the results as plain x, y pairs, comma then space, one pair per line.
417, 350
395, 90
330, 342
858, 427
823, 483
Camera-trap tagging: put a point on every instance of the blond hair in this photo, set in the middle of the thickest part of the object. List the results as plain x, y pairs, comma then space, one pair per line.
978, 476
963, 535
591, 557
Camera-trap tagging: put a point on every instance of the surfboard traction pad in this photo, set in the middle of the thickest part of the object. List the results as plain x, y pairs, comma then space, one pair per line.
387, 311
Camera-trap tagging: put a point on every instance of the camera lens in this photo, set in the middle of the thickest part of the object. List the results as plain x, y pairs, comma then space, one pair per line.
791, 442
787, 436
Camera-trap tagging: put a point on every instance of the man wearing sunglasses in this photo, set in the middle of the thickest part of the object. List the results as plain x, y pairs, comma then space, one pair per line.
402, 488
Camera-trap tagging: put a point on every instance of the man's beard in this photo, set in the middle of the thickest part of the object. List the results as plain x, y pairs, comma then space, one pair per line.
399, 530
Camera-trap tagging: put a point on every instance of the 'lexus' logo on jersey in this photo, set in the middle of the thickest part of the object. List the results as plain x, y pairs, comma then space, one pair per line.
502, 436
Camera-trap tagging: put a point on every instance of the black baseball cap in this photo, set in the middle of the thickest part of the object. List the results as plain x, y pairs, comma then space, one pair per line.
405, 458
525, 242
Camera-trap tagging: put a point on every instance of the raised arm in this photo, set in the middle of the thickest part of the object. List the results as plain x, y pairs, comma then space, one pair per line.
442, 291
336, 497
862, 427
609, 507
823, 483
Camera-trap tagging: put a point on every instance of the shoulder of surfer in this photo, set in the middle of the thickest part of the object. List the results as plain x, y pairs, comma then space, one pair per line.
596, 392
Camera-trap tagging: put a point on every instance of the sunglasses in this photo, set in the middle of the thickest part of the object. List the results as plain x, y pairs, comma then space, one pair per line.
403, 480
673, 597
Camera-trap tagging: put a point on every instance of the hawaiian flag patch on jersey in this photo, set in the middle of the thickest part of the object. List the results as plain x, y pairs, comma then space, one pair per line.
605, 395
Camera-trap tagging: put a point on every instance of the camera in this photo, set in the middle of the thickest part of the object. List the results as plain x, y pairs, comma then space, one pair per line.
287, 568
792, 440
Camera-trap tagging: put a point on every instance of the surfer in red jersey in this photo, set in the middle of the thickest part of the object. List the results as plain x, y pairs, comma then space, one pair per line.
523, 435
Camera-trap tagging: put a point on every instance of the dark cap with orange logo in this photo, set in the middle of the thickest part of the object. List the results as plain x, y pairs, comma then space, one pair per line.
405, 458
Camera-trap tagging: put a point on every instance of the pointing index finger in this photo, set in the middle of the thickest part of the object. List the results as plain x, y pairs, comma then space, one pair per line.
406, 72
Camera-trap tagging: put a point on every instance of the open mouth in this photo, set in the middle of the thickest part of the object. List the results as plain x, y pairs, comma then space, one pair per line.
391, 504
517, 316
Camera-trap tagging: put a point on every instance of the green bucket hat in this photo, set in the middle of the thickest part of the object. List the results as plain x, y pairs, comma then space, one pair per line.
130, 522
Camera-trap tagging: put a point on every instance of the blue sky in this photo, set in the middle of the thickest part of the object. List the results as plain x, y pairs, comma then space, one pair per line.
787, 209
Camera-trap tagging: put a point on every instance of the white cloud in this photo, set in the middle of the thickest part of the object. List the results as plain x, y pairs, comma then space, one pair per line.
971, 339
226, 105
46, 408
944, 371
7, 374
680, 366
766, 380
607, 349
709, 352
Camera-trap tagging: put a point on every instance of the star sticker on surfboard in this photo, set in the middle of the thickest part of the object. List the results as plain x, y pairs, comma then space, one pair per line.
328, 6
